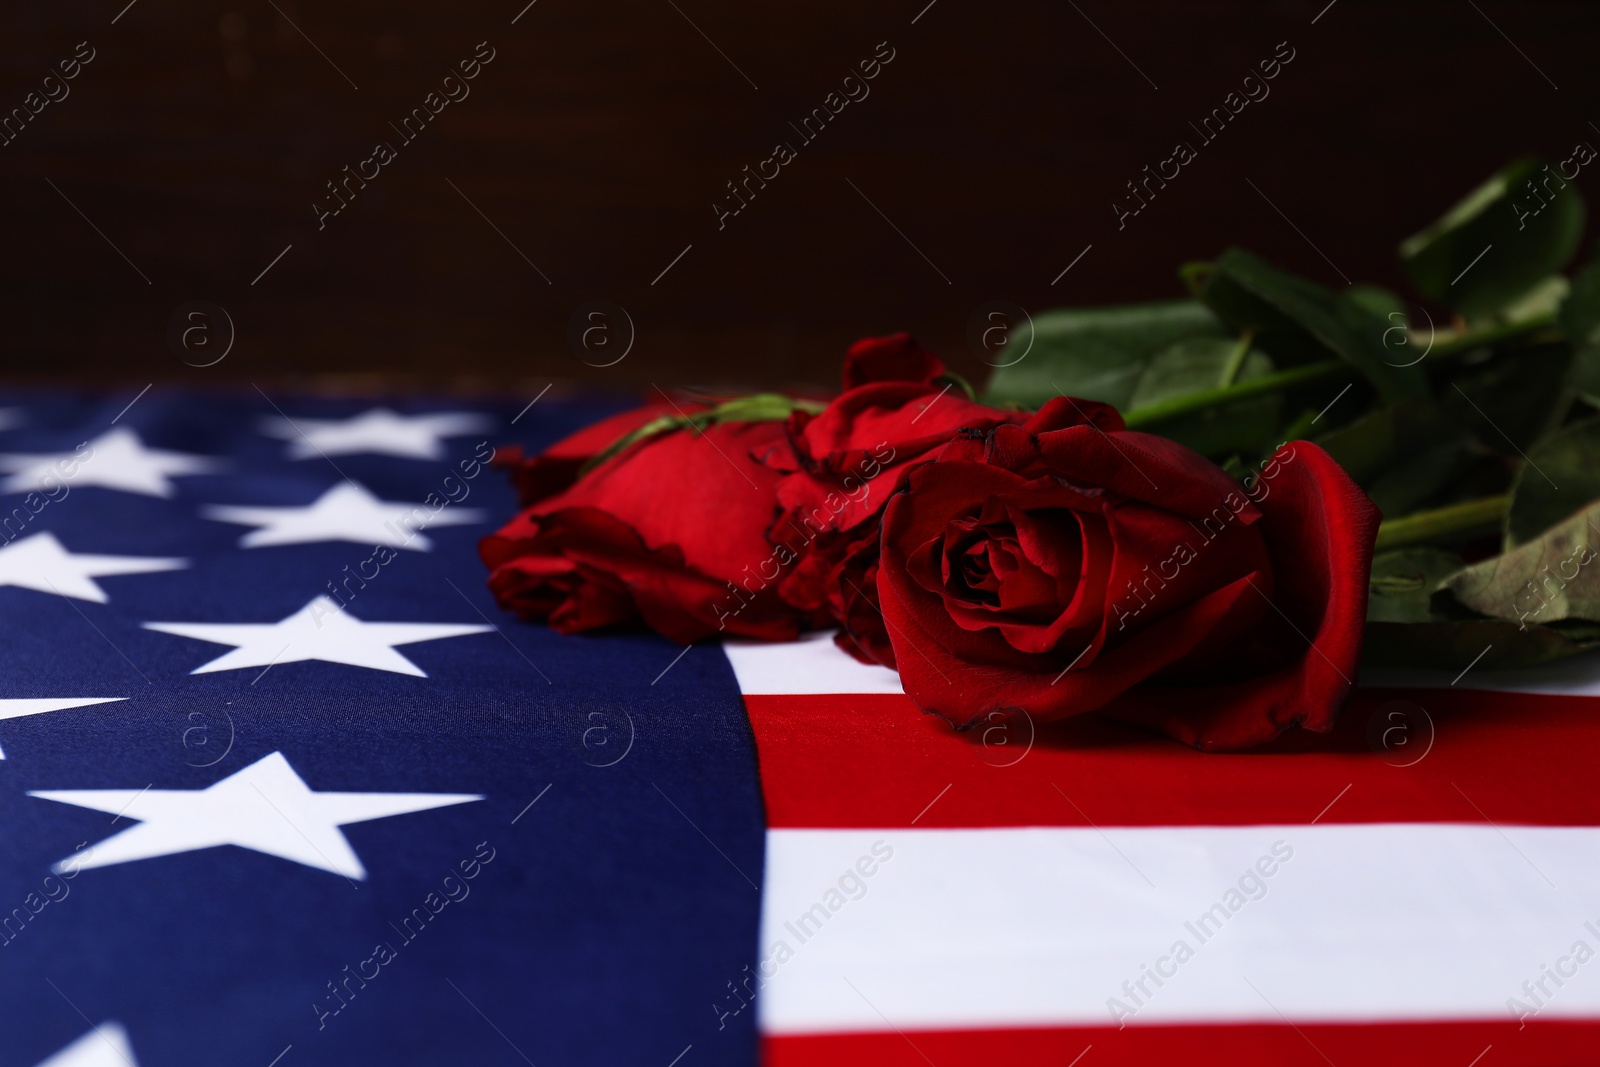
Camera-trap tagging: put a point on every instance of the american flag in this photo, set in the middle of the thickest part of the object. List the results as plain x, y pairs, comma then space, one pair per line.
281, 786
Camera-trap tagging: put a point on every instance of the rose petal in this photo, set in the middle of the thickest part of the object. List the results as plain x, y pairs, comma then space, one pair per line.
556, 468
1060, 412
1141, 466
1319, 529
966, 692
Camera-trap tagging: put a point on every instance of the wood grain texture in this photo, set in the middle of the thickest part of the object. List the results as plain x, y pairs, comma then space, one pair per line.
600, 135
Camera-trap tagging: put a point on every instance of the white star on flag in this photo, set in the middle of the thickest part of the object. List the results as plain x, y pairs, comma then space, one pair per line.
378, 431
321, 630
346, 512
104, 1046
16, 709
42, 563
266, 807
119, 460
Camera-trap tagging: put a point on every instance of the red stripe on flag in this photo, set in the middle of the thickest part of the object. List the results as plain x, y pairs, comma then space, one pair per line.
1540, 1044
875, 761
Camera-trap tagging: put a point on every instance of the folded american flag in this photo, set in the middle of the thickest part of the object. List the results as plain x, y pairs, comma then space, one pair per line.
282, 786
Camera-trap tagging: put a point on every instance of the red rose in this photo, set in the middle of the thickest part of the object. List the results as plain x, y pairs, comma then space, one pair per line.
1069, 566
839, 575
557, 467
671, 532
848, 460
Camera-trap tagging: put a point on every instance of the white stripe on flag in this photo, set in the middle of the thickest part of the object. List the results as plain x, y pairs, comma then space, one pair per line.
1042, 926
1577, 676
813, 664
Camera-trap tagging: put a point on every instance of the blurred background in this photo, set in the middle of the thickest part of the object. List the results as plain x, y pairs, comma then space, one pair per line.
179, 173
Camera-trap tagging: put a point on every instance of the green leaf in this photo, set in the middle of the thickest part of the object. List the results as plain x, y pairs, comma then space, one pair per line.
1569, 460
1378, 300
1097, 353
1297, 321
1451, 646
1239, 307
1402, 584
1403, 455
1192, 365
1510, 398
1546, 580
1539, 304
1505, 236
1579, 319
1199, 364
1417, 478
1579, 314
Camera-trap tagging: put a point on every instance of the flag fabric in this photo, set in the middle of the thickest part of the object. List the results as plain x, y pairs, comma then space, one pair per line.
1420, 886
280, 785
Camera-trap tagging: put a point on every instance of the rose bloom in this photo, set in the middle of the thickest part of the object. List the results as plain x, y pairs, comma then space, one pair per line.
556, 468
1069, 565
847, 460
670, 533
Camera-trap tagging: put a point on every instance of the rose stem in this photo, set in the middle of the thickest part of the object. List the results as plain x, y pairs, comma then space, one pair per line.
1312, 372
1267, 383
1230, 369
1458, 342
1422, 527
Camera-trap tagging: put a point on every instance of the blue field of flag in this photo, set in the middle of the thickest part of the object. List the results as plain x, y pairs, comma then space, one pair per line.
282, 786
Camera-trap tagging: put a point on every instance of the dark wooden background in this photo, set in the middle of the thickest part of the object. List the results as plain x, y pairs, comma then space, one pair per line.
597, 139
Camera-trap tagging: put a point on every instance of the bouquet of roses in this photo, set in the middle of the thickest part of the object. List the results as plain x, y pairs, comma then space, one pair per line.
1202, 564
